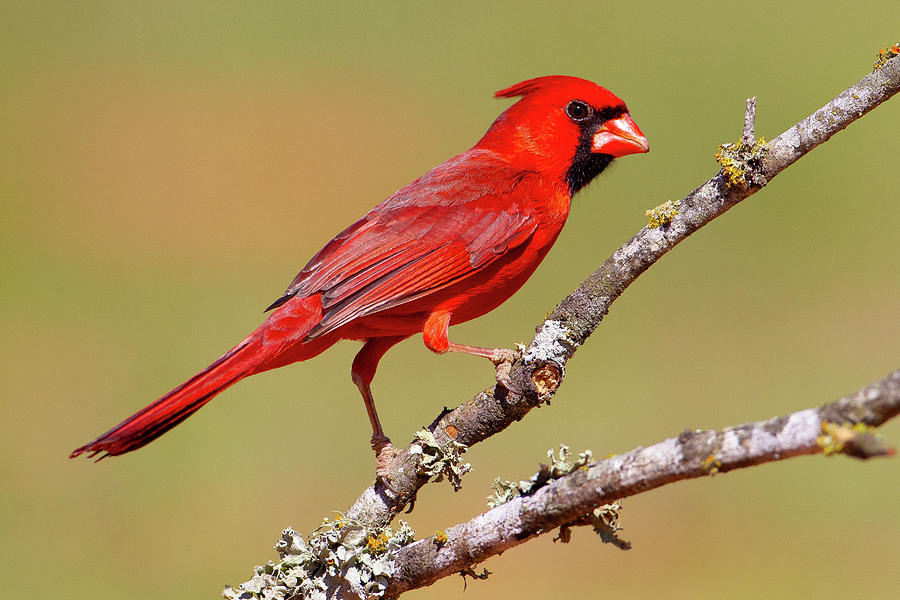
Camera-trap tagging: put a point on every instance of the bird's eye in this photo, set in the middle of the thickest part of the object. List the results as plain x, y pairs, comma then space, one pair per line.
578, 110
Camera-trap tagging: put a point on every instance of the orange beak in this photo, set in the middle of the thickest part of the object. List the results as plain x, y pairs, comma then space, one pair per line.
618, 137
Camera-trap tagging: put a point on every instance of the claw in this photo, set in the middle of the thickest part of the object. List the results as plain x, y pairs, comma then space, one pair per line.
503, 359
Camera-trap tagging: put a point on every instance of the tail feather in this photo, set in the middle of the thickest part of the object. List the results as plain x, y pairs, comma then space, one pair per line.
154, 420
278, 341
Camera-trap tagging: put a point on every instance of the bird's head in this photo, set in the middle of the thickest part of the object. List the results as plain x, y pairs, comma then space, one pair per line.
564, 127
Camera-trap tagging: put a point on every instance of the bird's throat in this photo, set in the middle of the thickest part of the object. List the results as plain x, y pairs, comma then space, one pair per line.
585, 166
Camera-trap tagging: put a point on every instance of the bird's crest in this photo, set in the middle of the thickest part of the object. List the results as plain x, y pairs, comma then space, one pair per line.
528, 86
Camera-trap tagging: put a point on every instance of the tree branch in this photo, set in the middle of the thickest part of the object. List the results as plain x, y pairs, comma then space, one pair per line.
746, 167
542, 367
690, 455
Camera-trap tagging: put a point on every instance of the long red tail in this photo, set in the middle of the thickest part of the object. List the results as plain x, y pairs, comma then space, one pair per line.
281, 331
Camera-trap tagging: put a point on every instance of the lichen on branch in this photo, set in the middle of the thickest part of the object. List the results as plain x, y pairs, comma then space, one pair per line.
693, 454
342, 558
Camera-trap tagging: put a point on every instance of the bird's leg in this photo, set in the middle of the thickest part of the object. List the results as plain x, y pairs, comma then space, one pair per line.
435, 335
381, 444
362, 372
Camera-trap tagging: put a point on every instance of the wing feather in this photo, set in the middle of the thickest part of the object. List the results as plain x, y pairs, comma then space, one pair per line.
443, 227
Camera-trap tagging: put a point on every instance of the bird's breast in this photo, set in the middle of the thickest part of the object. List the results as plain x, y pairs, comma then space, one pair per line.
478, 293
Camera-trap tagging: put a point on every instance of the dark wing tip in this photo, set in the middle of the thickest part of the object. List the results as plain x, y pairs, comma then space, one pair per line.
279, 302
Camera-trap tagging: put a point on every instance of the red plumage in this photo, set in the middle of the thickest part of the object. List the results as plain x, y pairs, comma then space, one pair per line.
449, 247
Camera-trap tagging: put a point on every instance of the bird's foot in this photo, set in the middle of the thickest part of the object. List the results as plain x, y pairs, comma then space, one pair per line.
503, 359
385, 453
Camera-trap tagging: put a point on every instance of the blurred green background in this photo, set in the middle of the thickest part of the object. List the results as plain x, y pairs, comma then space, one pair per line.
169, 167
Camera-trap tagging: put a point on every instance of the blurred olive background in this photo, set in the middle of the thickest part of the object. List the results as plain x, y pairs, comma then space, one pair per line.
167, 168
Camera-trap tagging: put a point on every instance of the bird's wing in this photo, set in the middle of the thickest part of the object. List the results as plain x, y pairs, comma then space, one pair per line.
440, 229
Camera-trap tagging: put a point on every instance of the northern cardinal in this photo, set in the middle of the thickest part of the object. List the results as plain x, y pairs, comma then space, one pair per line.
449, 247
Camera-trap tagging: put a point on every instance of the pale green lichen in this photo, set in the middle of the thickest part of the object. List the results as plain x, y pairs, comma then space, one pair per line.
663, 214
740, 162
502, 491
439, 461
341, 554
605, 522
560, 464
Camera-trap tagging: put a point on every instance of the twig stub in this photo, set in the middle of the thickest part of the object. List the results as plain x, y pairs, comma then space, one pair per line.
747, 138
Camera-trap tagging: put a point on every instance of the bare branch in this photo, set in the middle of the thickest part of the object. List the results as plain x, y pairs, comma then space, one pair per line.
690, 455
748, 138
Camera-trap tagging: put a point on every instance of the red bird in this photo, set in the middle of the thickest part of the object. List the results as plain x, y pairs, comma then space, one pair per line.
449, 247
